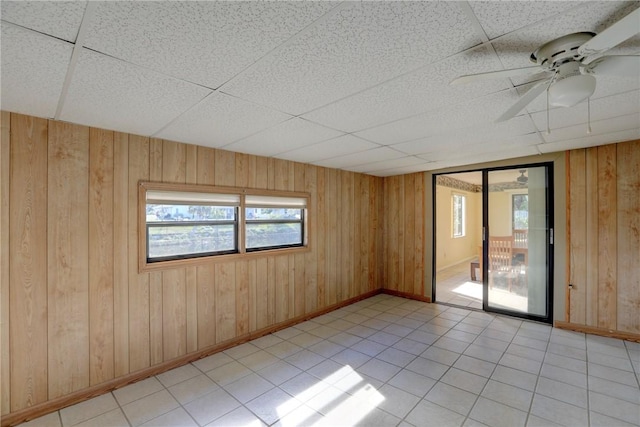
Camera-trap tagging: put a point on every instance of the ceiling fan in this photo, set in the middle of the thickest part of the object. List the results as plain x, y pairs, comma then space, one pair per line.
570, 63
522, 179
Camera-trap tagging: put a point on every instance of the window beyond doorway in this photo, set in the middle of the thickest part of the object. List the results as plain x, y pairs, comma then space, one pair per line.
459, 215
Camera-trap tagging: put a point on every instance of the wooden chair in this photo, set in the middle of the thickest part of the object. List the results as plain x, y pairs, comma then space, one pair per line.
500, 258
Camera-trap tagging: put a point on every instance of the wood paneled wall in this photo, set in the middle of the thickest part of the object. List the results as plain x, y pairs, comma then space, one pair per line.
604, 237
75, 310
404, 238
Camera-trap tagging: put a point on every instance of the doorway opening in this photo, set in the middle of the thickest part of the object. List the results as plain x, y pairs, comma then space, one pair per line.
493, 240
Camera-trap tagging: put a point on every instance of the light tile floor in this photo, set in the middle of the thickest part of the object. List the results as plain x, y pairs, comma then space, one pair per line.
388, 361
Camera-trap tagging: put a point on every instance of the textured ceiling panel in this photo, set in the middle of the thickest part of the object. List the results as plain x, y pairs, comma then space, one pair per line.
112, 94
475, 112
424, 90
601, 108
60, 19
599, 127
362, 44
202, 42
339, 146
590, 141
33, 71
402, 170
483, 157
283, 137
221, 119
498, 18
387, 164
375, 155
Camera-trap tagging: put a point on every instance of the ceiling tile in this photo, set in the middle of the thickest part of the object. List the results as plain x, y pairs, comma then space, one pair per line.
600, 127
339, 146
60, 19
34, 67
202, 42
474, 112
473, 159
112, 94
424, 90
386, 164
498, 18
402, 170
601, 108
360, 45
283, 137
497, 146
590, 141
221, 119
460, 139
374, 155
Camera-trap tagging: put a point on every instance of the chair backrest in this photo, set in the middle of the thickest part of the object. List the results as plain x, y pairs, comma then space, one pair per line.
520, 238
500, 253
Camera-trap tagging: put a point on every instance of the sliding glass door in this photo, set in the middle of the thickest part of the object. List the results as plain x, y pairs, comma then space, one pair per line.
518, 241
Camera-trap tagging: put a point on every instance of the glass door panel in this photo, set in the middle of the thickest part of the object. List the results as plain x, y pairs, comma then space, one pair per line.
517, 241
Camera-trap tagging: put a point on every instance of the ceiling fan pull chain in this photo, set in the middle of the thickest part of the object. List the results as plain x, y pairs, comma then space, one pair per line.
589, 115
548, 125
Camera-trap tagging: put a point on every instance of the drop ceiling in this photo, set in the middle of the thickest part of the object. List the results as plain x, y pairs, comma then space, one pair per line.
361, 86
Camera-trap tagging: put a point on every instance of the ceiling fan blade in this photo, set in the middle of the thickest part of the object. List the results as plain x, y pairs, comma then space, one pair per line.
496, 75
524, 100
620, 65
625, 28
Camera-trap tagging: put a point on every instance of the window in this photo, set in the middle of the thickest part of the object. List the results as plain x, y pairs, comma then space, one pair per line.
520, 204
187, 224
184, 223
274, 222
459, 215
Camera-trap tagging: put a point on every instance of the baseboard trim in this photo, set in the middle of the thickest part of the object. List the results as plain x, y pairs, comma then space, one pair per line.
406, 295
49, 406
594, 330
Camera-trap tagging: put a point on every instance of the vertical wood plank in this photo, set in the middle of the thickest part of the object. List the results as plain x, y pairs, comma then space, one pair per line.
262, 293
225, 168
628, 286
191, 177
252, 284
591, 214
101, 346
242, 297
607, 237
409, 228
156, 346
206, 165
206, 290
174, 319
28, 262
67, 258
331, 248
5, 355
225, 300
282, 288
321, 239
139, 344
271, 291
578, 200
419, 241
299, 261
174, 287
120, 255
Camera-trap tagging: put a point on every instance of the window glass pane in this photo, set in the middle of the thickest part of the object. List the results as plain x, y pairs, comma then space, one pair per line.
520, 211
178, 239
261, 235
166, 212
273, 214
458, 215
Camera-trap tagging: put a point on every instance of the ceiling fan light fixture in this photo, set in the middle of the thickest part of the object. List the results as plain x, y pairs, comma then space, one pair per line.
571, 90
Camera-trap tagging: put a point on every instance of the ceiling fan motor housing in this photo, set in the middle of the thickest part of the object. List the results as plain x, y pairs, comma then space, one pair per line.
561, 50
